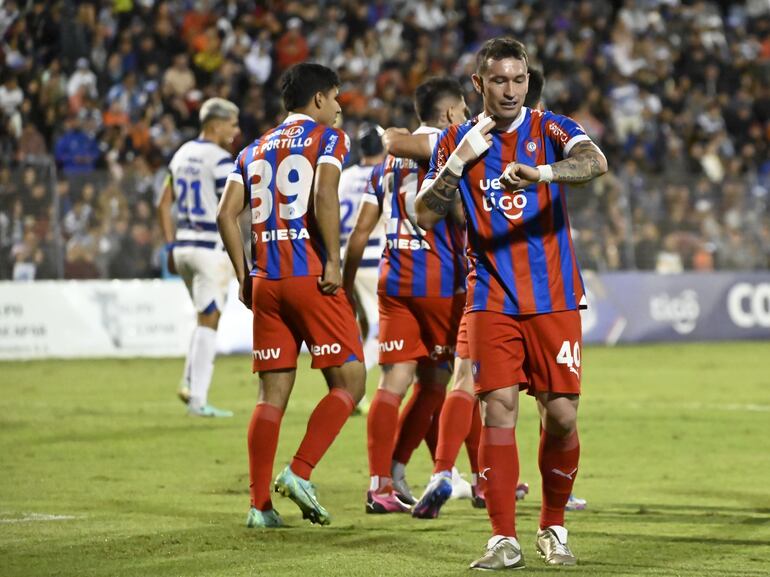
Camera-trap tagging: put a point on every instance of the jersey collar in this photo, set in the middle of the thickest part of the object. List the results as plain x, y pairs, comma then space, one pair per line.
427, 130
297, 117
515, 124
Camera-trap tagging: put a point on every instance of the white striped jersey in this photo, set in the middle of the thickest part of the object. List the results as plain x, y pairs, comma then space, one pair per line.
199, 171
353, 183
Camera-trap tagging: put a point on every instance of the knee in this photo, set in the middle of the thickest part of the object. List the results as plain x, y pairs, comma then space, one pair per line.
560, 423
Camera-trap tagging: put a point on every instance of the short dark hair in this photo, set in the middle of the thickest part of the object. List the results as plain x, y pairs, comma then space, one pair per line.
535, 90
302, 81
499, 48
430, 92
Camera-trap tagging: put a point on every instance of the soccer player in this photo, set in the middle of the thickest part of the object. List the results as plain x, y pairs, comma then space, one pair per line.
353, 182
198, 172
289, 178
421, 292
524, 286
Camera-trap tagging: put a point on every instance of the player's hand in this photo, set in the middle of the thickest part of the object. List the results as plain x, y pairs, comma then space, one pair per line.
476, 141
331, 281
170, 264
244, 290
517, 176
390, 134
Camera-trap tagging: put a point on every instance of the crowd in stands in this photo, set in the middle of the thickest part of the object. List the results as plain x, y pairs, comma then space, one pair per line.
676, 93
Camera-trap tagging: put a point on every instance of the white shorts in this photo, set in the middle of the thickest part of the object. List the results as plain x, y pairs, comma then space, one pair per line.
206, 274
366, 290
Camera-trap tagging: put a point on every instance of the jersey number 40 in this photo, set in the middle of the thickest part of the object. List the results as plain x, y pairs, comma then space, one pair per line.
293, 179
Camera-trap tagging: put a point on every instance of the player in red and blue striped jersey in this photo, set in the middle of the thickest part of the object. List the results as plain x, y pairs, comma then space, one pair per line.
289, 176
421, 292
524, 285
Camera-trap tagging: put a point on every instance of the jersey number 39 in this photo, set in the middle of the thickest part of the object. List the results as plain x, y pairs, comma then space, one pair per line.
293, 180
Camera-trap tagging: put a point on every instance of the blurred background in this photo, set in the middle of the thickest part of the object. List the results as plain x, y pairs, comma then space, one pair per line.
97, 95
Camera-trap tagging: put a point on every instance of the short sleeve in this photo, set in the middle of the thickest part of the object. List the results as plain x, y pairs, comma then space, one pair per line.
334, 147
563, 132
374, 193
441, 151
237, 170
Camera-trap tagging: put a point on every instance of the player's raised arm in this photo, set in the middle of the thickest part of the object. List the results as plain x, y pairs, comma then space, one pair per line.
327, 213
401, 143
435, 199
166, 221
230, 207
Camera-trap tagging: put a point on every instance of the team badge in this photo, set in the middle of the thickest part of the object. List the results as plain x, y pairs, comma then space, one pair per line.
531, 146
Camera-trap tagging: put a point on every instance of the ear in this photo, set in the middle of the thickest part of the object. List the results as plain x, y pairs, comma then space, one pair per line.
478, 83
318, 99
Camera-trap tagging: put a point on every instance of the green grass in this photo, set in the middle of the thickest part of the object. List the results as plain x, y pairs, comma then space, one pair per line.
676, 469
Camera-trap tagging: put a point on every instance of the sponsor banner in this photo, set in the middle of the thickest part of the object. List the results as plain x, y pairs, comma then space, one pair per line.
50, 319
153, 318
645, 307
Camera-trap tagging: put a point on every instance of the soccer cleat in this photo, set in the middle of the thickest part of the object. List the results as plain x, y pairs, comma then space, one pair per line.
436, 494
207, 411
478, 501
461, 489
502, 553
302, 492
403, 492
522, 490
387, 501
552, 546
183, 392
263, 519
575, 503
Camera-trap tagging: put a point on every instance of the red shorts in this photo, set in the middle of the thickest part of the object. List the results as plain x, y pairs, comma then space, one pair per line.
462, 351
539, 352
419, 328
290, 310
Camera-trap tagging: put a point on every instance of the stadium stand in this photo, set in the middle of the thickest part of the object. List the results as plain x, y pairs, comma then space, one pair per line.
95, 97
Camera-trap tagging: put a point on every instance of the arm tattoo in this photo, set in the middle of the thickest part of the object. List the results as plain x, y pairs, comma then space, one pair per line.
441, 194
585, 163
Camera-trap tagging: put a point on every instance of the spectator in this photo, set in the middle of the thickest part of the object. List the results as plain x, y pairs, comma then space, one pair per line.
76, 152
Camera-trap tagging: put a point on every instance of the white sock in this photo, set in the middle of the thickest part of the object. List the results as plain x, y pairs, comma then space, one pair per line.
202, 353
186, 373
376, 482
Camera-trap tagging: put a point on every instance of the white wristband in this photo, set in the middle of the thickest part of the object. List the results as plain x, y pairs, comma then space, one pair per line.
546, 173
455, 165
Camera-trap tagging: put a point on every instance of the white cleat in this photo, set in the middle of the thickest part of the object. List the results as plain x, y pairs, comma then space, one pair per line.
502, 553
552, 546
461, 489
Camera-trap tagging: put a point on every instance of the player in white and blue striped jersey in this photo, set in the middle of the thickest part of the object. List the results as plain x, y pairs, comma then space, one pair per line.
353, 182
198, 172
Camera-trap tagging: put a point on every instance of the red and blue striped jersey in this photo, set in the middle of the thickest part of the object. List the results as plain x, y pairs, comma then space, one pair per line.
278, 173
521, 256
415, 262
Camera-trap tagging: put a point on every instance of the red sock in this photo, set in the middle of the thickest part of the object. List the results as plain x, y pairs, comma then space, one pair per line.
558, 458
473, 438
416, 419
262, 442
499, 462
381, 431
454, 424
431, 437
324, 425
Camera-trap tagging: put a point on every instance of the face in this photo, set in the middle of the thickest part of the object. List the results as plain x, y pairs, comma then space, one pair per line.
503, 85
458, 112
328, 107
227, 130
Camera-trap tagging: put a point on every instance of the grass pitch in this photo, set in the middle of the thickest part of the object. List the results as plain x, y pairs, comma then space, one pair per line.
101, 473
